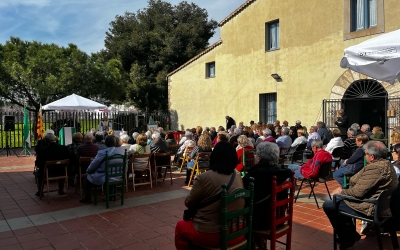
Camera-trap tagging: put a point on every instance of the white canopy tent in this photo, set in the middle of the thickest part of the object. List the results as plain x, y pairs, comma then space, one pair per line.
378, 57
74, 102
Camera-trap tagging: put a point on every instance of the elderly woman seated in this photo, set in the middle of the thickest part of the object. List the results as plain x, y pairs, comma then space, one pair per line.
335, 142
243, 146
267, 157
189, 142
204, 228
204, 145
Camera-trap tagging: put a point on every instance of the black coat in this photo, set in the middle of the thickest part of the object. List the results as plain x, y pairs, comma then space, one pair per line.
263, 175
229, 123
343, 124
51, 152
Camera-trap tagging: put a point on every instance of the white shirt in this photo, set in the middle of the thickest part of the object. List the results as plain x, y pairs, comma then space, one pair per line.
334, 143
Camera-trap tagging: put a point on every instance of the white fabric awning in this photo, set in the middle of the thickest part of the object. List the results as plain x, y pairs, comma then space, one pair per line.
73, 102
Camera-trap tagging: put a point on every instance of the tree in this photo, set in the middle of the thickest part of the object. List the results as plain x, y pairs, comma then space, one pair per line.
38, 73
155, 41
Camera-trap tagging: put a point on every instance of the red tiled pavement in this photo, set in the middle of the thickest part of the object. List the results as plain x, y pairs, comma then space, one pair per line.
143, 227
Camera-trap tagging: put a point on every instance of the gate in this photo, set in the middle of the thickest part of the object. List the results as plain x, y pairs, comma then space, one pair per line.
330, 110
393, 114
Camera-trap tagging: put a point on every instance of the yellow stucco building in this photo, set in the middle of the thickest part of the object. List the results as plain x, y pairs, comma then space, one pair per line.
301, 44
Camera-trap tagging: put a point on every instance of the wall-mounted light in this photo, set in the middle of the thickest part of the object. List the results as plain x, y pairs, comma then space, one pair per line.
277, 77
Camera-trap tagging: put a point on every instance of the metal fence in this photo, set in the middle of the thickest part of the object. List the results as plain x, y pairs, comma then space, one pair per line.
82, 121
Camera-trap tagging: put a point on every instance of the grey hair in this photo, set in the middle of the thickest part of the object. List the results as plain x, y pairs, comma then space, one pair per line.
322, 124
355, 126
366, 126
88, 137
285, 130
243, 141
50, 137
376, 148
298, 122
189, 135
238, 131
315, 128
268, 152
160, 129
155, 135
135, 135
317, 143
93, 130
148, 134
267, 131
352, 131
233, 126
124, 137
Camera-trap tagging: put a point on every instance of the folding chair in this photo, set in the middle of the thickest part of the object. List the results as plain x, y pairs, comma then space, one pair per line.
336, 156
380, 203
233, 219
324, 172
115, 178
84, 163
54, 170
185, 157
166, 157
297, 154
144, 160
281, 216
202, 164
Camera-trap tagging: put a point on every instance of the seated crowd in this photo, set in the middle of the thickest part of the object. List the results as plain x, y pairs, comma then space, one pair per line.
363, 154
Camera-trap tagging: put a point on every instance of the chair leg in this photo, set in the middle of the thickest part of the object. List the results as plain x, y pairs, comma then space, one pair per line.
48, 187
156, 174
297, 196
378, 236
107, 196
312, 191
170, 173
126, 181
191, 176
165, 173
95, 195
330, 197
133, 178
122, 192
393, 236
151, 180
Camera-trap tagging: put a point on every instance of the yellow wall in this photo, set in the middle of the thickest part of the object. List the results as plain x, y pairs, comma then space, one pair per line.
311, 47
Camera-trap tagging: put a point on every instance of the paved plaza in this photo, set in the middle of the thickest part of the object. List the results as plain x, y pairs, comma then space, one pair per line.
146, 221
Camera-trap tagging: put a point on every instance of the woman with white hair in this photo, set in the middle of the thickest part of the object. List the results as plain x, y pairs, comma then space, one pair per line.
124, 138
243, 142
266, 159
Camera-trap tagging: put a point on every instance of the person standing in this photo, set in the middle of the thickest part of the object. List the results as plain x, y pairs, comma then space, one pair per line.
229, 122
343, 124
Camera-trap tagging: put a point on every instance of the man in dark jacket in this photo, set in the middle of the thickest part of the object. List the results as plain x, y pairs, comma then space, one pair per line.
343, 124
368, 183
229, 122
263, 172
51, 152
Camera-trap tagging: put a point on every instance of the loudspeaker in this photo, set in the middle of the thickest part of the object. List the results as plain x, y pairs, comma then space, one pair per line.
8, 123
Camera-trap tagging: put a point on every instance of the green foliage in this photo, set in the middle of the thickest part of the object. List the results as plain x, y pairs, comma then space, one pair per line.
155, 41
39, 73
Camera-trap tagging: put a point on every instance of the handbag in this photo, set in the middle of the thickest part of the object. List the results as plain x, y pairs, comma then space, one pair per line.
189, 213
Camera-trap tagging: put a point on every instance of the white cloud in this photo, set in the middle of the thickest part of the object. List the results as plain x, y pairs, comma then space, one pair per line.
5, 3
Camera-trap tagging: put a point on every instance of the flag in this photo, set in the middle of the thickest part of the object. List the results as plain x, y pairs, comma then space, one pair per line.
27, 134
39, 127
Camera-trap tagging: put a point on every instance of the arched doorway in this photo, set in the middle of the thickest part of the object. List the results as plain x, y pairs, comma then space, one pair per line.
365, 102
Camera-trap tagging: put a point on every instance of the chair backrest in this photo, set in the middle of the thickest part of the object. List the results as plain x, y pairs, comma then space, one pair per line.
115, 169
164, 158
283, 151
281, 210
56, 167
84, 163
337, 152
173, 148
244, 215
141, 160
203, 159
248, 159
188, 151
301, 147
324, 170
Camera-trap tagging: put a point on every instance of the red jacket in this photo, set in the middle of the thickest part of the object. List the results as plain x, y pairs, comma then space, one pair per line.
239, 166
310, 169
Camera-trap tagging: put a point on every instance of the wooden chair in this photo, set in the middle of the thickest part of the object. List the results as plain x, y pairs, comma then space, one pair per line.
173, 148
324, 172
381, 202
248, 160
146, 160
281, 216
233, 219
50, 173
201, 159
185, 157
163, 156
115, 178
84, 163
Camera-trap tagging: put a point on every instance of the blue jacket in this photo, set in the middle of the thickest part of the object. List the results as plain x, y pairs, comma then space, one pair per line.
96, 172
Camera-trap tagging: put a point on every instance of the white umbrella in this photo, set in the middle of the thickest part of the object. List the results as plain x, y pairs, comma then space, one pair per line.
378, 57
73, 102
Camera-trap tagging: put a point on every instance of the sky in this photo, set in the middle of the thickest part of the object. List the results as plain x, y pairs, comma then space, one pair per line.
82, 22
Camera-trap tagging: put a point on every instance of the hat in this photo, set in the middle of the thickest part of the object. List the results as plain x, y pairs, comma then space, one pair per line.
49, 131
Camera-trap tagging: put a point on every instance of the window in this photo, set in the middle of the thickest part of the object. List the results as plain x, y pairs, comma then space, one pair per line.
363, 14
267, 107
210, 69
272, 35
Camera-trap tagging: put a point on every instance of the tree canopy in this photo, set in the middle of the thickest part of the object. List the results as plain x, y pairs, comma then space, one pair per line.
153, 42
38, 73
